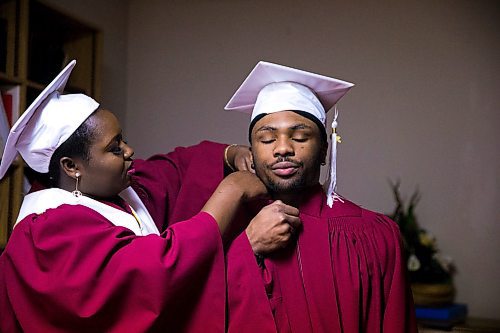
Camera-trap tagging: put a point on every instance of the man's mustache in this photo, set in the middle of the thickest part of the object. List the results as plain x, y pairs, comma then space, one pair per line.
282, 159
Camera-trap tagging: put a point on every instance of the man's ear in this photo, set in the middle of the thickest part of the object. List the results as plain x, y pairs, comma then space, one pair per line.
324, 152
68, 166
251, 159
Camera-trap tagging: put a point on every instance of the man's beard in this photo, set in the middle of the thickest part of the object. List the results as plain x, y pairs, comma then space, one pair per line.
280, 186
284, 186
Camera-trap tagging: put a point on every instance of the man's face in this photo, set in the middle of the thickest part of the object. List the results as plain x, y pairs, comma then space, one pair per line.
287, 151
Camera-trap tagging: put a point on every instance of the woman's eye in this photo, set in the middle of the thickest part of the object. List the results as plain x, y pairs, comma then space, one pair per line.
117, 150
299, 139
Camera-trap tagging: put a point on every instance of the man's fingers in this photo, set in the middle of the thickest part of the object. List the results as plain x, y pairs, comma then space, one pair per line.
289, 210
294, 222
288, 214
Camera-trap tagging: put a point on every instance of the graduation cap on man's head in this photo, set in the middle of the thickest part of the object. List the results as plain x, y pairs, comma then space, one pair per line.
273, 88
46, 124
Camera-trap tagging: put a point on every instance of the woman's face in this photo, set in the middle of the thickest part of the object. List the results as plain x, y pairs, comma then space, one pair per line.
105, 174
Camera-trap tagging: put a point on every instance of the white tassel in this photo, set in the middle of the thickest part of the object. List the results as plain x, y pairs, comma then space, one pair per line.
331, 196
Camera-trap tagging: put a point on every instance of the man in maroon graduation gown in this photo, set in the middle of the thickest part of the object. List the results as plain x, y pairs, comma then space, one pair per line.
345, 272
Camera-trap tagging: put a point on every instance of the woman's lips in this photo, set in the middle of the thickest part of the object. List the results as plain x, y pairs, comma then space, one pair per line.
284, 169
131, 169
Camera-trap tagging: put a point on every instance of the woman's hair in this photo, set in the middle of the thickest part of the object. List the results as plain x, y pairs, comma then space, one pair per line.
77, 145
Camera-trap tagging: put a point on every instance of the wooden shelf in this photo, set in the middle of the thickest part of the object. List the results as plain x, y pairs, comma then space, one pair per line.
40, 41
6, 79
9, 32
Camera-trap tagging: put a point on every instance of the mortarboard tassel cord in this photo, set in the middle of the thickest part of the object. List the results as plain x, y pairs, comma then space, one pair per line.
331, 195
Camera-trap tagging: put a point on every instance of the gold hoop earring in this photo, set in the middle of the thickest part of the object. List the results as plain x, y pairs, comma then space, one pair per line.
76, 192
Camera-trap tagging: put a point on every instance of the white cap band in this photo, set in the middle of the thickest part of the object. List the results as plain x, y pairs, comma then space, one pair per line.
292, 96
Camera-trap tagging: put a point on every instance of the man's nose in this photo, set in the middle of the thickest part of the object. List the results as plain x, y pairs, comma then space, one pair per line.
283, 147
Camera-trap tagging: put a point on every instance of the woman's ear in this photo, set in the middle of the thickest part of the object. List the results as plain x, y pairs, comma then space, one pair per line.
68, 166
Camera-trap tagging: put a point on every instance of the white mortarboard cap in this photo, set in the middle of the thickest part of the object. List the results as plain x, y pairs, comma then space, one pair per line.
273, 88
46, 124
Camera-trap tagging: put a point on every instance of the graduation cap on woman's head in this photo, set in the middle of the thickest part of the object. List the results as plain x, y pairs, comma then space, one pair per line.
46, 124
273, 88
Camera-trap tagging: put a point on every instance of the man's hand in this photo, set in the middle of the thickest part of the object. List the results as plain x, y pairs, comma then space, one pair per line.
272, 228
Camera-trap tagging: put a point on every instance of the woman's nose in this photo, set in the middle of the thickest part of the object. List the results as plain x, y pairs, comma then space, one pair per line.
128, 151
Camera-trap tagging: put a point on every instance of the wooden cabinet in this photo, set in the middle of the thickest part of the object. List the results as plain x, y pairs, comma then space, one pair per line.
36, 42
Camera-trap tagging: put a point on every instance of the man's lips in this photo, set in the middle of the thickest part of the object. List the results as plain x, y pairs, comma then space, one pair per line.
284, 169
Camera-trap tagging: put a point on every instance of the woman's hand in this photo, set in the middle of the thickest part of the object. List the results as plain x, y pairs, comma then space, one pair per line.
236, 189
239, 158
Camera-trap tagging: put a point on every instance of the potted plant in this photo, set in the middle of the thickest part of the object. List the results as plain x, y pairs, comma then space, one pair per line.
430, 272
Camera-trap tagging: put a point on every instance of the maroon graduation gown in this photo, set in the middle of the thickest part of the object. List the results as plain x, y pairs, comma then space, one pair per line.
346, 273
70, 269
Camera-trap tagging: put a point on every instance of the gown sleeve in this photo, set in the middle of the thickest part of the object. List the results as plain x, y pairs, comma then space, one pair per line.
70, 269
248, 308
175, 186
8, 322
399, 314
371, 285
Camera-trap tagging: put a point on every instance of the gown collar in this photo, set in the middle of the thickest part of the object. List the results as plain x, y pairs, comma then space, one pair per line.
314, 204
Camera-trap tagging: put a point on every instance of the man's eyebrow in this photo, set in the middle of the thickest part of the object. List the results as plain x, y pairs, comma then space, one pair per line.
294, 127
265, 128
300, 126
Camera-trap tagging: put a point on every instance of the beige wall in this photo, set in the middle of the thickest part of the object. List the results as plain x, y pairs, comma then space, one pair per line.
426, 106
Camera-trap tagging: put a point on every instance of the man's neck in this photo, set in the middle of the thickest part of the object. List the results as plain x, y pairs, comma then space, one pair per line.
292, 198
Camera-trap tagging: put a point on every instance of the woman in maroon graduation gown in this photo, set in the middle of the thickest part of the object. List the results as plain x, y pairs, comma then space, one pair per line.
85, 254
